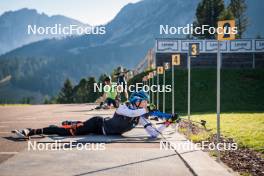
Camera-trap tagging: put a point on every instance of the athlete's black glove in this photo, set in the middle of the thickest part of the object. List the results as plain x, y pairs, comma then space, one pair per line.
152, 107
175, 118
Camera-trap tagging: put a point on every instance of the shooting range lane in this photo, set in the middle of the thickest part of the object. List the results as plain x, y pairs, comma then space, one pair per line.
132, 154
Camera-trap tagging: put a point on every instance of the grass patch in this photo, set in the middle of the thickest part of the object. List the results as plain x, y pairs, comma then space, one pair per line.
247, 129
245, 174
199, 137
212, 153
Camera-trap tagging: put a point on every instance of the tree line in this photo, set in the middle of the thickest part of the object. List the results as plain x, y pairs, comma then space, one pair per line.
83, 92
209, 12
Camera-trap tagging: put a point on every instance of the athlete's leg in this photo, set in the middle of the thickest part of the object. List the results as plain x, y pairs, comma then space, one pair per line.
92, 125
49, 131
110, 102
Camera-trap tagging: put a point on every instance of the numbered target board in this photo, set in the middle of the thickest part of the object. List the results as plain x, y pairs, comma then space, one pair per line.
176, 59
226, 30
194, 49
166, 65
160, 70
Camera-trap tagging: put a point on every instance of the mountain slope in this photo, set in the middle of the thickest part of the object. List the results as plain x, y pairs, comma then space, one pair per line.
14, 26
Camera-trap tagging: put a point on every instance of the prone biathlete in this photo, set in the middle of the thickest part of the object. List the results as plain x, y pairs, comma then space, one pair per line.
110, 97
125, 118
121, 80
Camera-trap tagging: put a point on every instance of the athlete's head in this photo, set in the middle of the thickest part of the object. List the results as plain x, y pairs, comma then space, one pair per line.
107, 80
139, 99
120, 69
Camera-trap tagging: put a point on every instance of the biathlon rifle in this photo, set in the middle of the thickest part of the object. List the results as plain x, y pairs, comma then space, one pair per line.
174, 118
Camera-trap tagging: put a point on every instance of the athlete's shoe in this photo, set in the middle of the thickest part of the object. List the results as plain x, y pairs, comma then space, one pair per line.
24, 133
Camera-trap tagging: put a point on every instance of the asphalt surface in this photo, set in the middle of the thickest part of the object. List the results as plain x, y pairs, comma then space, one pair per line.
117, 159
132, 154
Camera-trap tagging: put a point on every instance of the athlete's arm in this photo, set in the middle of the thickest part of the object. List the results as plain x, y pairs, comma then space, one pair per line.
152, 131
160, 114
125, 111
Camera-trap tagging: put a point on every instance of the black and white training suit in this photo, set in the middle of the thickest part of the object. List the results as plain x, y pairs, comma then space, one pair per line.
126, 118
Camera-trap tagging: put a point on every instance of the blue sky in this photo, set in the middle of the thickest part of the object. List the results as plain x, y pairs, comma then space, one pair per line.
93, 12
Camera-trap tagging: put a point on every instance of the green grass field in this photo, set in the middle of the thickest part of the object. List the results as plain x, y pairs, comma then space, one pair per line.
242, 90
246, 128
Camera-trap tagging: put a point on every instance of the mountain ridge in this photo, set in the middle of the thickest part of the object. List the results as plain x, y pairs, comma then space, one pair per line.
13, 27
